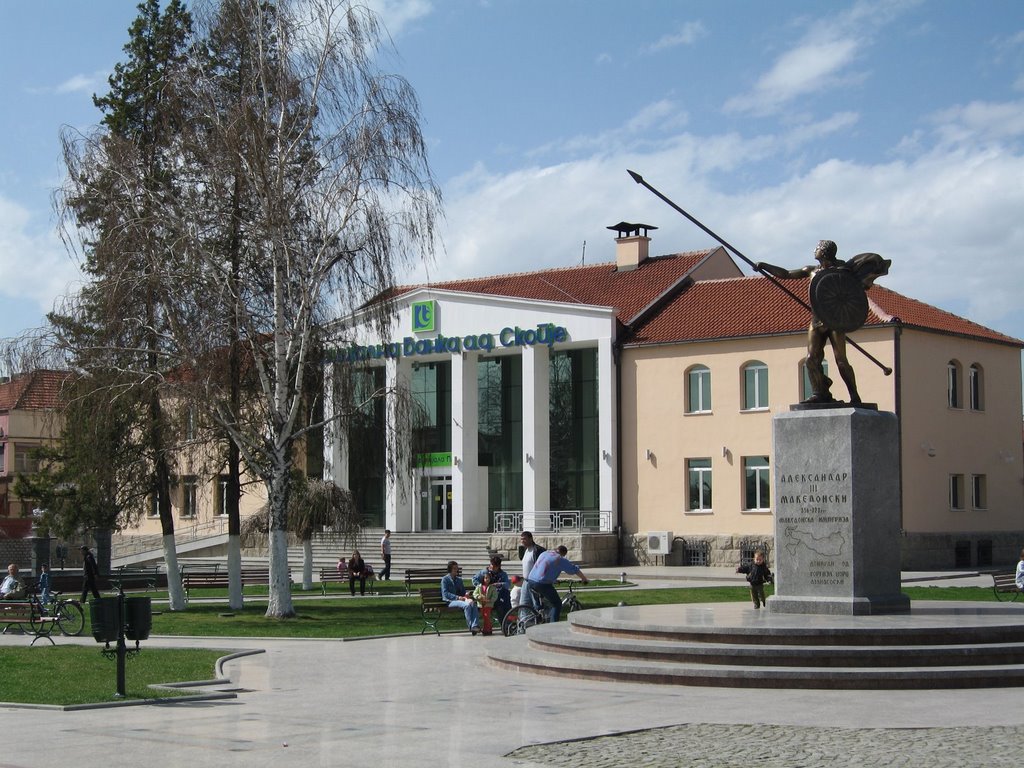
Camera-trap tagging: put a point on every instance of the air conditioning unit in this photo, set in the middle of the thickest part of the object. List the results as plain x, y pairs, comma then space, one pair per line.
659, 542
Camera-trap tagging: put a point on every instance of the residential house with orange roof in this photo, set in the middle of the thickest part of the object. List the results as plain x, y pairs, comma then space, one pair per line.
28, 418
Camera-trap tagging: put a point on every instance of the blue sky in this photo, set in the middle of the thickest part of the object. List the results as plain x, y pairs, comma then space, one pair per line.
892, 126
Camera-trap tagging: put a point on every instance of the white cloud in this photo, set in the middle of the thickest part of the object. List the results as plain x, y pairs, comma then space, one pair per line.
34, 264
809, 68
688, 34
823, 58
78, 83
980, 121
397, 15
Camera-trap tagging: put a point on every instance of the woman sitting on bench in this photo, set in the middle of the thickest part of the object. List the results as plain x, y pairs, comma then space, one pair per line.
357, 569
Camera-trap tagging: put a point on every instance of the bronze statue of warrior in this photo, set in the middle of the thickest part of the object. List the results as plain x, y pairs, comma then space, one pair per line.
839, 306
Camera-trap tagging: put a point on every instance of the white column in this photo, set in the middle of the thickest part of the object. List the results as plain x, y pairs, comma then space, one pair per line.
335, 436
536, 438
607, 397
400, 505
467, 514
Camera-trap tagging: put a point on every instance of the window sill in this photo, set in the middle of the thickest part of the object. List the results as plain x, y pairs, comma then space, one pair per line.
756, 511
755, 410
699, 413
698, 512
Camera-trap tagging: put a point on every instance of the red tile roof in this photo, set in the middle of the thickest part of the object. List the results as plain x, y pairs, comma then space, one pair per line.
38, 390
753, 306
595, 284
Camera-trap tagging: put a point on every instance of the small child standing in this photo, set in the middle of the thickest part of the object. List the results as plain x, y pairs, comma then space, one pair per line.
485, 594
515, 594
758, 575
43, 585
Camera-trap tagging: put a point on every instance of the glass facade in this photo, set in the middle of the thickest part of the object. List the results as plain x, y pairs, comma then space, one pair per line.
366, 449
575, 481
500, 431
431, 385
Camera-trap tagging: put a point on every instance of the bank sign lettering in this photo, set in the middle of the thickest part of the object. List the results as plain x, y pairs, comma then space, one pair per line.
547, 334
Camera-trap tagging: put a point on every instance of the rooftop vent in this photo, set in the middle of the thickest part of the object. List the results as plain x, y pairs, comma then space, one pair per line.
631, 245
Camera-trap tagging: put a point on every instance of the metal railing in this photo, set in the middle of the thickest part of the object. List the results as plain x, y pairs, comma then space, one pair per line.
587, 520
130, 545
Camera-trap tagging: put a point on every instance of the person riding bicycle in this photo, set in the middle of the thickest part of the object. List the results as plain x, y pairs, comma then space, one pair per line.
546, 570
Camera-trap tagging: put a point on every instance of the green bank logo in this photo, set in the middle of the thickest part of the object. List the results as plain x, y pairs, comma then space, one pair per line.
423, 316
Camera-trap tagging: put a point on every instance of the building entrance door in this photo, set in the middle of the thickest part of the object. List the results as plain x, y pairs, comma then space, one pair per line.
437, 506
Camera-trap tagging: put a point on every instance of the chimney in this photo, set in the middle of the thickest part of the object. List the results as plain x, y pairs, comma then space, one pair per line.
631, 245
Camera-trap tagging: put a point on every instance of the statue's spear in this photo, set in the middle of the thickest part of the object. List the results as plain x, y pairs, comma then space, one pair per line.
640, 180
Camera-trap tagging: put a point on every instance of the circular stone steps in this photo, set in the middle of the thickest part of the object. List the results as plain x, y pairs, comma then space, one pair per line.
937, 645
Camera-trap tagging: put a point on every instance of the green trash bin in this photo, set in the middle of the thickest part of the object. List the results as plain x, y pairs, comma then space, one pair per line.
138, 617
105, 619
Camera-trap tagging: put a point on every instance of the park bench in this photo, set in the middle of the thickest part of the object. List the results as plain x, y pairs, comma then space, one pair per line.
340, 576
219, 579
433, 608
1005, 583
136, 578
424, 576
25, 615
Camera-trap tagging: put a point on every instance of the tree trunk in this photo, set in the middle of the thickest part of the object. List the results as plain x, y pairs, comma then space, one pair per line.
280, 605
236, 599
175, 593
280, 593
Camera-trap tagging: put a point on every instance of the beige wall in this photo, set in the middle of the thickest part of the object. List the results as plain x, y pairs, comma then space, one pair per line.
653, 387
939, 441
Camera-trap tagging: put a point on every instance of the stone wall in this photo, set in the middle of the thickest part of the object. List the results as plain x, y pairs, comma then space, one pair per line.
722, 550
590, 549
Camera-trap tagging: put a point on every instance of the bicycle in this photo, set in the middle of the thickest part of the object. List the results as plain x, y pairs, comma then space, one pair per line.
67, 612
520, 618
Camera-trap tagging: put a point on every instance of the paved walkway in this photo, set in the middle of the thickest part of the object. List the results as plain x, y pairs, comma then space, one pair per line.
415, 701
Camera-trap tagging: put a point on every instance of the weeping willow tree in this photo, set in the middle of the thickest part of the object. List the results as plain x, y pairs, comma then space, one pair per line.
314, 506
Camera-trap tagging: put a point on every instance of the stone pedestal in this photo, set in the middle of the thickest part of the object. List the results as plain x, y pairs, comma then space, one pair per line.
837, 513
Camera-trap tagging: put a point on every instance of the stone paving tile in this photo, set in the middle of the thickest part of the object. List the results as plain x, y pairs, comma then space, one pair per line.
743, 746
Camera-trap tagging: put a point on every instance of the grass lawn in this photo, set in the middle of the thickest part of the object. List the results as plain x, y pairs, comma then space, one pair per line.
74, 674
362, 617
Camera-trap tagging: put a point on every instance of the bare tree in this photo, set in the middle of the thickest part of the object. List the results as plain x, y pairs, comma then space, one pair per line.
337, 193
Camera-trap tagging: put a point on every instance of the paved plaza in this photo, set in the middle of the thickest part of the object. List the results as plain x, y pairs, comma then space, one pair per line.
434, 701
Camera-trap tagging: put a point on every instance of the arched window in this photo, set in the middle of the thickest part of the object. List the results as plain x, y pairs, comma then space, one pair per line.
806, 388
698, 389
755, 386
976, 388
954, 384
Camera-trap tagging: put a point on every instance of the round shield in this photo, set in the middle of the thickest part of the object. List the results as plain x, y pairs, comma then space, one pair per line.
838, 299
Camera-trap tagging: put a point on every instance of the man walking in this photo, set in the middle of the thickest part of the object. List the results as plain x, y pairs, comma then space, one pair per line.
385, 552
546, 570
89, 573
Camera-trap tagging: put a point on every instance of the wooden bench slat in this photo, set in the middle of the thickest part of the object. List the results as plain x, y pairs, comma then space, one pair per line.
1005, 583
433, 608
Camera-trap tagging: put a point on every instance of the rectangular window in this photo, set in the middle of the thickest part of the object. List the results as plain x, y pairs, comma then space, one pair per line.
154, 506
956, 491
698, 473
755, 387
979, 495
698, 390
757, 483
189, 494
25, 459
974, 380
953, 384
